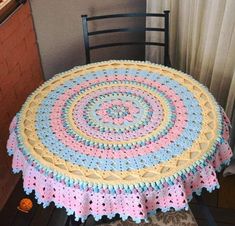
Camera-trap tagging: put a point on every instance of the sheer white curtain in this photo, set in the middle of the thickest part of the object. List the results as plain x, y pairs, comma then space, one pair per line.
202, 43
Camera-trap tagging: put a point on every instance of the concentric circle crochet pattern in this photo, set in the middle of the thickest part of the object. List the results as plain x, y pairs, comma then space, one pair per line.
119, 128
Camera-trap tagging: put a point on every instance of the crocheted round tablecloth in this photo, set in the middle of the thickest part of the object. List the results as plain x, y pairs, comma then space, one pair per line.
119, 137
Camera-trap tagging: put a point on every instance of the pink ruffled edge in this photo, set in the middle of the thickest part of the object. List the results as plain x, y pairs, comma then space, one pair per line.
137, 205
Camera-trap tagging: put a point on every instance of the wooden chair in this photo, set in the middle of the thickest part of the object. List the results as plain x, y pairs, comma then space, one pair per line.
87, 33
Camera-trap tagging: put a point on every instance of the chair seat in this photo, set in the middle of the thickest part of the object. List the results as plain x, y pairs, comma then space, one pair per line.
172, 218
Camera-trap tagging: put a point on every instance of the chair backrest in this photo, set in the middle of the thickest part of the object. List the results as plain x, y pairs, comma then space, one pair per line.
87, 33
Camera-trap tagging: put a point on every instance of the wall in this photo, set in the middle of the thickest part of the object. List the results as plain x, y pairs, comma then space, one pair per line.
60, 36
20, 74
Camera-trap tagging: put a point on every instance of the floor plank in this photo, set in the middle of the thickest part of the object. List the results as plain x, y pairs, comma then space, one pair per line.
42, 216
204, 223
221, 215
226, 198
201, 222
24, 219
58, 217
9, 211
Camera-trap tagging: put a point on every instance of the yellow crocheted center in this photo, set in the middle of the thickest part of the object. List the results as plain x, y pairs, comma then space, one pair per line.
203, 145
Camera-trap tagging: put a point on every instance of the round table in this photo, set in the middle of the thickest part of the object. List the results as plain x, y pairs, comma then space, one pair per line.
119, 137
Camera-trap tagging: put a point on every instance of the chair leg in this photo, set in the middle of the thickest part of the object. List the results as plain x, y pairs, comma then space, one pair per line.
205, 210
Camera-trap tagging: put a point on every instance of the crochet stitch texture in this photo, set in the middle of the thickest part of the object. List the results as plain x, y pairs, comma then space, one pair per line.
121, 128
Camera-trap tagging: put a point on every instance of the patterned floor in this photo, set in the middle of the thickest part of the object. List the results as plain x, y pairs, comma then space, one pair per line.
179, 218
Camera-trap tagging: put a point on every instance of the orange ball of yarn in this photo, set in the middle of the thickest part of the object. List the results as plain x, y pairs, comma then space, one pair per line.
25, 205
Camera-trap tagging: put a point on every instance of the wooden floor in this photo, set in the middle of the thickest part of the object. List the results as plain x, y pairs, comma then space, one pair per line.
38, 216
51, 216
